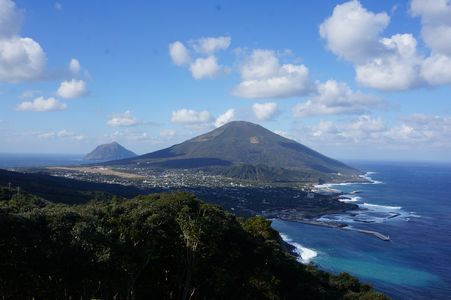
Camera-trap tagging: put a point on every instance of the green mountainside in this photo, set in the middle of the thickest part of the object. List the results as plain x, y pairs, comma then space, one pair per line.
160, 246
248, 151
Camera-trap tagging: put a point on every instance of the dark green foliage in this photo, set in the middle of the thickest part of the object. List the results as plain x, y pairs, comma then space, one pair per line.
160, 246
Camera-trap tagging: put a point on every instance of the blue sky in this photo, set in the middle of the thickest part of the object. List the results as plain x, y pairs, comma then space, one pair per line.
357, 79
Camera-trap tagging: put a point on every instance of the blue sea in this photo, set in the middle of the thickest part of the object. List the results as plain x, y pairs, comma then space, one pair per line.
411, 203
10, 160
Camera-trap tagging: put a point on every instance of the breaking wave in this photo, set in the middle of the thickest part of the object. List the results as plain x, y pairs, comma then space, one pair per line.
305, 255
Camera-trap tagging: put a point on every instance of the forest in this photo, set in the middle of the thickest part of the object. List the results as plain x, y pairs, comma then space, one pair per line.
157, 246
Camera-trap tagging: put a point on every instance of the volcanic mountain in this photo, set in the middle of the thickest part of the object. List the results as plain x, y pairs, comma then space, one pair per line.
248, 151
111, 151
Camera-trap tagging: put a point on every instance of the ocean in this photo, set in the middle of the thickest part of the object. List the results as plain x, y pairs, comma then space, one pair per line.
411, 203
10, 160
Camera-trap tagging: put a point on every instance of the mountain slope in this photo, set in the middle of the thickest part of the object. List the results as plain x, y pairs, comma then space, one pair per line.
111, 151
248, 151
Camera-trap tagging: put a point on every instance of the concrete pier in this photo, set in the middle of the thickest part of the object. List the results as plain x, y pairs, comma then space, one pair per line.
370, 232
343, 226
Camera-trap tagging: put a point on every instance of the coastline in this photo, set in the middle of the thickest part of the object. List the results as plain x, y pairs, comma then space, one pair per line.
306, 255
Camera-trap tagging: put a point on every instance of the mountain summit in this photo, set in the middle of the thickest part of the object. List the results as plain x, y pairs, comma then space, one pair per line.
247, 151
111, 151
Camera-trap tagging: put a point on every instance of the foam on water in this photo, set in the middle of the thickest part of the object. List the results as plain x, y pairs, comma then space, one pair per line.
368, 212
371, 180
381, 207
349, 199
305, 255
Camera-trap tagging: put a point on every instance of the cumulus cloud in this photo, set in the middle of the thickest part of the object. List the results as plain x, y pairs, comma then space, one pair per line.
265, 111
190, 117
352, 32
72, 89
199, 57
391, 63
74, 66
21, 58
436, 23
395, 69
225, 118
41, 104
179, 53
62, 134
436, 32
201, 120
123, 120
264, 77
436, 69
335, 98
209, 45
205, 67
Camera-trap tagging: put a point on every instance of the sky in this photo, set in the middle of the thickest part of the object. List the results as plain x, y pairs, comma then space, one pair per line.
351, 79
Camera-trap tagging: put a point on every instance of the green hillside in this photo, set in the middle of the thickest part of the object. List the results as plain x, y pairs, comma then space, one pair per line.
160, 246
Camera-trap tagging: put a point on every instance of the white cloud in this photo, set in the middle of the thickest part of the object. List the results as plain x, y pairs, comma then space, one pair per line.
436, 69
352, 31
436, 33
418, 130
423, 129
190, 117
41, 105
210, 45
62, 134
205, 67
123, 120
395, 69
168, 133
21, 58
74, 66
225, 118
260, 64
265, 111
264, 77
334, 98
438, 38
436, 23
203, 64
72, 89
10, 19
392, 63
360, 130
179, 53
133, 137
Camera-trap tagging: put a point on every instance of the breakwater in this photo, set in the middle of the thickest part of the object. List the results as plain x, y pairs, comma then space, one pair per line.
344, 226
